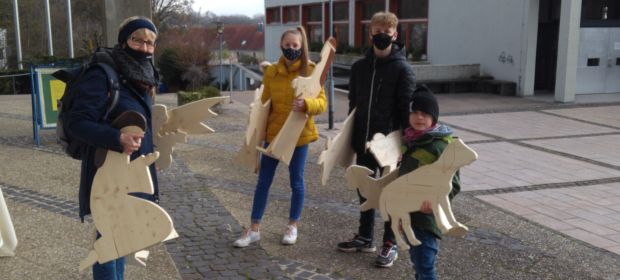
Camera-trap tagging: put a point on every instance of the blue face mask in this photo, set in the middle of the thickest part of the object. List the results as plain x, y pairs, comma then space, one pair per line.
291, 54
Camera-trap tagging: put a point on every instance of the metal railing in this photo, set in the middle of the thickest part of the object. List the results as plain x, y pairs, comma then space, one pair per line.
13, 82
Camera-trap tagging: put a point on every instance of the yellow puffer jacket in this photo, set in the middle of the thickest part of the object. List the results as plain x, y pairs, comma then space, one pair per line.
277, 87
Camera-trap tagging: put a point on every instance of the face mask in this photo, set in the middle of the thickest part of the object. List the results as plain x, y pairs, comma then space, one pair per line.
291, 54
381, 40
138, 55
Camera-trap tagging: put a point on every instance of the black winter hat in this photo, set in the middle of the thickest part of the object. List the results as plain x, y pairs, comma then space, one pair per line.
424, 100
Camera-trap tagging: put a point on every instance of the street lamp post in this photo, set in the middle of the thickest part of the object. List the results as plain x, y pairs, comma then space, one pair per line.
220, 33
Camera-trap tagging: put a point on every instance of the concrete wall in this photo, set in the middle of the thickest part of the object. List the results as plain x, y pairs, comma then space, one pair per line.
117, 10
488, 32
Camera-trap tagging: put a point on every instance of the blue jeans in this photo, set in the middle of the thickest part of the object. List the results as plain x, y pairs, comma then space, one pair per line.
112, 270
265, 178
423, 256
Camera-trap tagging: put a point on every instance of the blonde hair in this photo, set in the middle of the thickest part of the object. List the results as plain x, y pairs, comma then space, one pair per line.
384, 19
303, 69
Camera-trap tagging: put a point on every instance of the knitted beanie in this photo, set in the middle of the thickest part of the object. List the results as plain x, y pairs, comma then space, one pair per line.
424, 100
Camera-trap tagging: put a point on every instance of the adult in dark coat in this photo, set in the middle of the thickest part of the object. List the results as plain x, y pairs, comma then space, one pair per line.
380, 87
132, 59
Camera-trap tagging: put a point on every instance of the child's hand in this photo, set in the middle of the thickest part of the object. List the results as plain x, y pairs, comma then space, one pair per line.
426, 207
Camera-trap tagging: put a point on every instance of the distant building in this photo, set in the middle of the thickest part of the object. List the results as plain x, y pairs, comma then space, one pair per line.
566, 47
3, 59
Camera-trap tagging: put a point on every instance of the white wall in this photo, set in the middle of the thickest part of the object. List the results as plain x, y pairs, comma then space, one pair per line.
480, 31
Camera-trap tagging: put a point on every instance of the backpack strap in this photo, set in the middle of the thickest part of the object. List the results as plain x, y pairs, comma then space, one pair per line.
113, 85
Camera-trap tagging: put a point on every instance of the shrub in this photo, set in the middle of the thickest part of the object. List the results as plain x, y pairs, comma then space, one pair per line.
205, 92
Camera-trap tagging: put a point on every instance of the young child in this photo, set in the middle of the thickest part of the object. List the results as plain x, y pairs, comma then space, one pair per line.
380, 86
425, 140
277, 80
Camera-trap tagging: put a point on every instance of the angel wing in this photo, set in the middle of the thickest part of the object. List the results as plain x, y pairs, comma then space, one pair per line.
189, 117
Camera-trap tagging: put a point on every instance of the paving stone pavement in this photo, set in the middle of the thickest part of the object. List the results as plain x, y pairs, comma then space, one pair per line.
539, 205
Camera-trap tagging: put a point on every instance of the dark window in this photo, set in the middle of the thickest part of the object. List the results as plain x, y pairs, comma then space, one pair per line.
593, 61
1, 53
273, 15
408, 9
596, 13
341, 32
341, 11
291, 14
314, 13
369, 8
617, 60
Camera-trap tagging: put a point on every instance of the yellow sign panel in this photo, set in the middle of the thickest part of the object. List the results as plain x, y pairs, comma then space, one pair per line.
58, 89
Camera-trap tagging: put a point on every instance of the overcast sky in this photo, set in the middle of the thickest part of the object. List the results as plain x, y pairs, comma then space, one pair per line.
229, 7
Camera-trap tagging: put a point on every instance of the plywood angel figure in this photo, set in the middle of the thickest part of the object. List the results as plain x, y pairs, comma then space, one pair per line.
248, 155
8, 240
338, 151
283, 145
127, 224
172, 126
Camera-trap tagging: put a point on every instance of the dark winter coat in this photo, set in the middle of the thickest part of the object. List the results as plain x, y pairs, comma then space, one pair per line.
379, 90
84, 125
422, 151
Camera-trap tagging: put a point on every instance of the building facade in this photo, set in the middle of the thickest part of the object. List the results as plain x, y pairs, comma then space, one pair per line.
351, 19
566, 47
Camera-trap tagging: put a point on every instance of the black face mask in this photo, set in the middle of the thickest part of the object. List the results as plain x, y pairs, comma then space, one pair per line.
138, 55
291, 54
381, 40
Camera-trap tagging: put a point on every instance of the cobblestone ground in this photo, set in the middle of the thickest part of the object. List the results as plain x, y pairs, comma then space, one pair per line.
518, 201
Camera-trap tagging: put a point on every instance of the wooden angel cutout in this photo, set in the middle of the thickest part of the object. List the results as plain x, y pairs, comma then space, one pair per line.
283, 145
8, 240
172, 126
432, 182
127, 224
338, 151
386, 149
255, 134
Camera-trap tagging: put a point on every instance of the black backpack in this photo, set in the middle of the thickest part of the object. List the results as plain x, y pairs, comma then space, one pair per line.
72, 76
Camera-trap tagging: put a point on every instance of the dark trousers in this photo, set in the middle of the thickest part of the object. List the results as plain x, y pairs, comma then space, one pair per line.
367, 218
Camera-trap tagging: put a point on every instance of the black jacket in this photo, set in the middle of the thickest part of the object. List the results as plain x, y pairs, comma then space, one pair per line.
83, 122
379, 89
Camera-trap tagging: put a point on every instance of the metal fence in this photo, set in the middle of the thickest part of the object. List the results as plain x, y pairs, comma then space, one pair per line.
15, 84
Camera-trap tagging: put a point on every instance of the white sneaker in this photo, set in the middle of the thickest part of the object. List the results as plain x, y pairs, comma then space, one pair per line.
290, 235
248, 237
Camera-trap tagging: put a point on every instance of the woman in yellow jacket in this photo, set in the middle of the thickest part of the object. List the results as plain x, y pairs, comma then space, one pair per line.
277, 87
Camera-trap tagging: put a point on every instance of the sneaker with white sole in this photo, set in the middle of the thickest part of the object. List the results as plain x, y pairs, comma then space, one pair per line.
387, 256
248, 237
290, 235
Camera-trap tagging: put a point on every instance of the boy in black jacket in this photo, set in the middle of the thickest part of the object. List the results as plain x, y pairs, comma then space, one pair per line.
380, 87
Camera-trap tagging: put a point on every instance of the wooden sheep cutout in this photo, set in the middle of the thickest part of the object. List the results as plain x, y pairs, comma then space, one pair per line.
127, 224
8, 240
432, 182
172, 126
255, 134
359, 177
338, 151
386, 150
283, 145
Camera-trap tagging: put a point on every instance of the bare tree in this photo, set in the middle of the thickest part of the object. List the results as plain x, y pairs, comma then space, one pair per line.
163, 9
